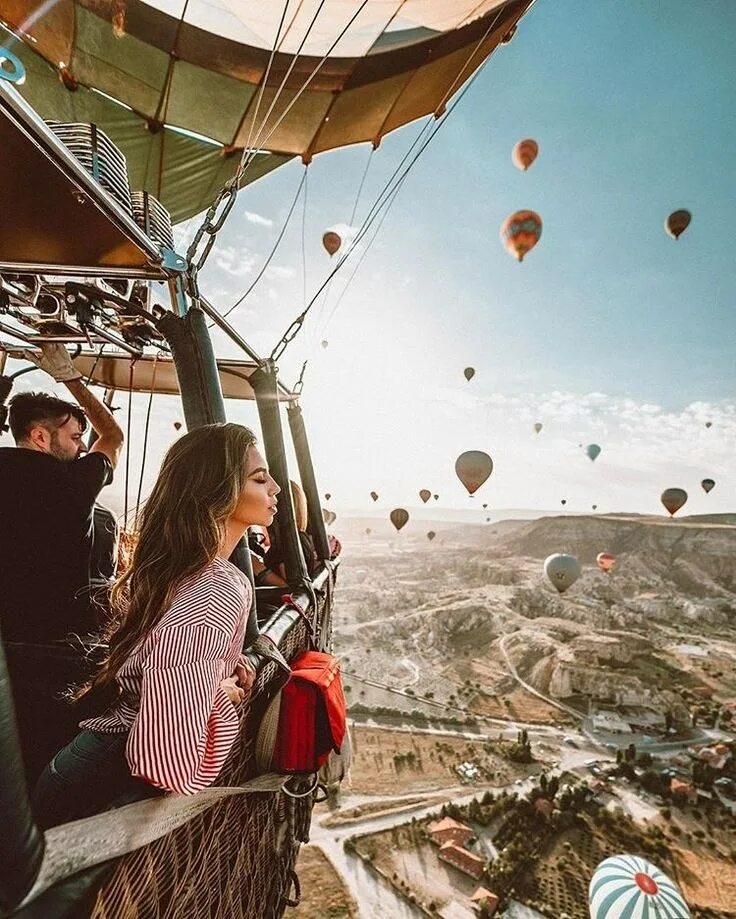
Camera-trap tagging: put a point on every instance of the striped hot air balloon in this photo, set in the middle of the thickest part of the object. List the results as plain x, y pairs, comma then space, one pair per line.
524, 153
627, 885
520, 232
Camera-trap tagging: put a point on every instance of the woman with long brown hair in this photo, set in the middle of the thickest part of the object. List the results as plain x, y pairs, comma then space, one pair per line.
175, 665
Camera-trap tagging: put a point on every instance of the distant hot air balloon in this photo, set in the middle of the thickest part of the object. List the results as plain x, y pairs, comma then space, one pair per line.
595, 507
605, 561
324, 343
562, 570
524, 153
177, 425
431, 535
708, 485
538, 426
520, 233
593, 451
488, 519
473, 468
627, 885
327, 496
436, 497
469, 373
332, 242
677, 223
368, 531
425, 494
563, 502
485, 506
673, 499
399, 517
374, 495
709, 424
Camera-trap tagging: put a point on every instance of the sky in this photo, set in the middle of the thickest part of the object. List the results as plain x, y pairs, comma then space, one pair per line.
608, 332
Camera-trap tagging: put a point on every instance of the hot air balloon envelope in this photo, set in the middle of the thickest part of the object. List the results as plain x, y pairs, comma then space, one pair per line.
708, 485
563, 502
709, 424
436, 497
538, 426
399, 517
374, 495
373, 75
469, 373
177, 425
593, 452
327, 496
425, 494
431, 535
368, 531
524, 153
520, 233
673, 499
473, 468
677, 223
605, 561
332, 242
562, 570
324, 343
630, 885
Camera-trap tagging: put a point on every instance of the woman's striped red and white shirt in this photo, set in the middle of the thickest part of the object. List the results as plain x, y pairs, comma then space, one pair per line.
182, 724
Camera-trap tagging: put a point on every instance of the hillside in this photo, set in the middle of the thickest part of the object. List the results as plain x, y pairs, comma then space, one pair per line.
452, 617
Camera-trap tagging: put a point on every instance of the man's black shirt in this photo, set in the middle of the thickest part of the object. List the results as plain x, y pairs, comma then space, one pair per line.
46, 527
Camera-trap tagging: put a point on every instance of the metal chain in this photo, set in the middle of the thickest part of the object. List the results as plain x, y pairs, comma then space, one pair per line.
288, 336
299, 385
211, 226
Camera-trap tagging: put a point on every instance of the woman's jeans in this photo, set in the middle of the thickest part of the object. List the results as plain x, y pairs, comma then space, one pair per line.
87, 776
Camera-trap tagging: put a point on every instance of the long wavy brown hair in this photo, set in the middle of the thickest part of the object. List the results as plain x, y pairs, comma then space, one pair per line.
179, 532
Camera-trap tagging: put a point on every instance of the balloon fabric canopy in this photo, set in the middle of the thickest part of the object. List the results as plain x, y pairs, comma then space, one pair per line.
520, 232
627, 885
673, 499
708, 485
399, 517
183, 86
562, 570
593, 451
473, 468
332, 242
425, 494
677, 223
524, 153
605, 561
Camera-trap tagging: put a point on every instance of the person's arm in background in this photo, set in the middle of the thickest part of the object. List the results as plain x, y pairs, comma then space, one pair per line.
55, 361
109, 433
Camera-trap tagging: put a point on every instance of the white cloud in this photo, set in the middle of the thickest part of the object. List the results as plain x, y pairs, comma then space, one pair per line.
235, 262
280, 272
258, 219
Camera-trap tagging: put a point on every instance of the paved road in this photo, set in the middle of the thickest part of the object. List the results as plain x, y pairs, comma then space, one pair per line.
535, 692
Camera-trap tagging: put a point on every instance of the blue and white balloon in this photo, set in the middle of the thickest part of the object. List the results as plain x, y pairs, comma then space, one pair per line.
631, 887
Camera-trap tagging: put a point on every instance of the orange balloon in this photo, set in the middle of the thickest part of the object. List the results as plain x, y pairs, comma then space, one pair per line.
605, 561
524, 153
520, 233
332, 242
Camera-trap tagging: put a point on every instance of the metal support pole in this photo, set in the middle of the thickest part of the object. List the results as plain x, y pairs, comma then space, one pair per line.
202, 401
265, 384
309, 482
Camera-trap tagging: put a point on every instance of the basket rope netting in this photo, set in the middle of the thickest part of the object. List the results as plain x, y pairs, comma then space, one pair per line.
234, 861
